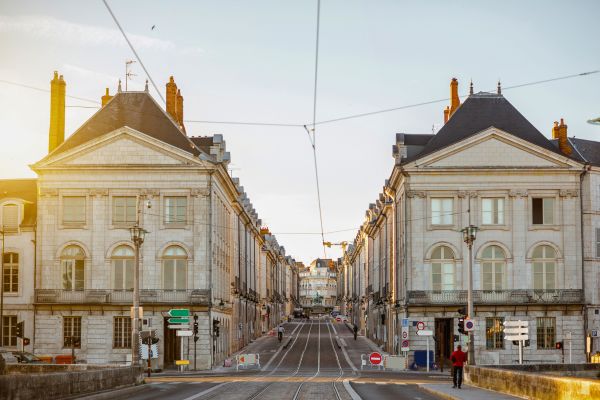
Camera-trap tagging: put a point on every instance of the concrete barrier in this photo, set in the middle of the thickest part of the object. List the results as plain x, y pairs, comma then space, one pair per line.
521, 381
69, 383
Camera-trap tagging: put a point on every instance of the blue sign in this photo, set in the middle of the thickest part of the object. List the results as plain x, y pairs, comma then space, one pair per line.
404, 321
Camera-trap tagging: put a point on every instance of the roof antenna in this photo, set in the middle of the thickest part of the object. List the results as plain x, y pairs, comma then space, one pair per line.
499, 87
128, 73
146, 87
119, 88
471, 87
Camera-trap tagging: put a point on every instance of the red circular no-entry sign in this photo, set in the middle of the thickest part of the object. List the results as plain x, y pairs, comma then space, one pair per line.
375, 358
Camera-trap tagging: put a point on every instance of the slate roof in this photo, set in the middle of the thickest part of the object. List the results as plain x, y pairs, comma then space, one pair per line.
479, 112
589, 149
137, 110
203, 142
25, 189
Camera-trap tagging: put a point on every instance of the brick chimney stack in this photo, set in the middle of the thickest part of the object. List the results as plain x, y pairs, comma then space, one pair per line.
106, 98
454, 100
180, 110
175, 103
559, 131
58, 89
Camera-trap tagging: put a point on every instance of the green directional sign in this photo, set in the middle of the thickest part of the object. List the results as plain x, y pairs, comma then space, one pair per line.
179, 320
179, 312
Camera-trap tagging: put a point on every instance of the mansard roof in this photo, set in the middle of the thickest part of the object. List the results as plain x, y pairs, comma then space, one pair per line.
479, 112
25, 189
589, 150
136, 110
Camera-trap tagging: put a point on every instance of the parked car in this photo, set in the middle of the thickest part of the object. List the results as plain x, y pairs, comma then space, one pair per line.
8, 356
27, 358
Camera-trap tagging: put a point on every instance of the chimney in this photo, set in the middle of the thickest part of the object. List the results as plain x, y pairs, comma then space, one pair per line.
106, 98
180, 110
172, 99
560, 132
57, 112
454, 100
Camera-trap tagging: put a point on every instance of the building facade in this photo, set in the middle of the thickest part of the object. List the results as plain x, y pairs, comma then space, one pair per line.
318, 286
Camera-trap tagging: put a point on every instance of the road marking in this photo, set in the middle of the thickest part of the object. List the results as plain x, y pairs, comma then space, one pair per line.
350, 390
205, 391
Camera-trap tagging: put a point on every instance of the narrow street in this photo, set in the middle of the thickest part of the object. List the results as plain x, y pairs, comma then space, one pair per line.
311, 367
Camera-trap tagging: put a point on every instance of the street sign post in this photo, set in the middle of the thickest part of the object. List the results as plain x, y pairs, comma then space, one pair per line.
469, 324
375, 358
179, 312
519, 331
180, 319
184, 333
178, 326
425, 333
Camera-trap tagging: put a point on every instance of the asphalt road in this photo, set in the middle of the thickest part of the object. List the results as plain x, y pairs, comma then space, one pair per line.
312, 367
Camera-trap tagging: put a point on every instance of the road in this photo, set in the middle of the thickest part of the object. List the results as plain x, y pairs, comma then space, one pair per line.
312, 367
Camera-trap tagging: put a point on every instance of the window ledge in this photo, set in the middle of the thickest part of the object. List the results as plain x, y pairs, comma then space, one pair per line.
176, 226
540, 227
73, 226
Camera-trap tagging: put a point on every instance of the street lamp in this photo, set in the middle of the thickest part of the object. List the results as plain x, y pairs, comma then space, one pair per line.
137, 237
469, 235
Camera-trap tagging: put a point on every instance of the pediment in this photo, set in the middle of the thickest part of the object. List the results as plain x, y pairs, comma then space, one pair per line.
494, 149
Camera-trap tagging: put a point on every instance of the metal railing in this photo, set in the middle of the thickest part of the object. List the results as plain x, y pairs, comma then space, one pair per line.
511, 296
110, 296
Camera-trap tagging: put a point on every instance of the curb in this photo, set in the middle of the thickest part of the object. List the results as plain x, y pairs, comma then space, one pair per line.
438, 393
111, 393
350, 390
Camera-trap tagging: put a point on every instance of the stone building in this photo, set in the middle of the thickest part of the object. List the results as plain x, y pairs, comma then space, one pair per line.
318, 286
18, 198
487, 167
132, 163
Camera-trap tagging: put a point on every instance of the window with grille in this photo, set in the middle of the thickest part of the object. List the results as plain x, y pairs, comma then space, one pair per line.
122, 333
72, 332
11, 272
73, 210
9, 330
492, 211
10, 218
124, 210
546, 332
176, 210
542, 210
441, 211
494, 336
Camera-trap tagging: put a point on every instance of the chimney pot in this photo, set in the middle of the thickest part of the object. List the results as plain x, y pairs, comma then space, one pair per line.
57, 112
106, 98
560, 132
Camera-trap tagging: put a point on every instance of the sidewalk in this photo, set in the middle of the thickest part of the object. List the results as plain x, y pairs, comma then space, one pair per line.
466, 393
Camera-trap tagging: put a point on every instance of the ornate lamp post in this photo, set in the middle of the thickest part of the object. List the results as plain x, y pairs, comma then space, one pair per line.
137, 237
469, 235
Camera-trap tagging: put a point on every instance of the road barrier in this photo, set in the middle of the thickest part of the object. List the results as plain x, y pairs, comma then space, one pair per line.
395, 362
365, 360
247, 360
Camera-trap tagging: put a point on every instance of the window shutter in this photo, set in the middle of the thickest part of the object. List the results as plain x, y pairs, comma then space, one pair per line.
10, 218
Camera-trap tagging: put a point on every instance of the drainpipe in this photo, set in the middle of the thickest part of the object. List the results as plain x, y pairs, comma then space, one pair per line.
585, 308
210, 262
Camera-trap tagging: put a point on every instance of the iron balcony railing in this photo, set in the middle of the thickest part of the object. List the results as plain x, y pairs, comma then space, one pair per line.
511, 296
110, 296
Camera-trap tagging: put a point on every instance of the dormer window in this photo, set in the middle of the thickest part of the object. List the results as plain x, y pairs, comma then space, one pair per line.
10, 218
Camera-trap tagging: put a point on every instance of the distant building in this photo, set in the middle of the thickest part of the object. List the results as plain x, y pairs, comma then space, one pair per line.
318, 285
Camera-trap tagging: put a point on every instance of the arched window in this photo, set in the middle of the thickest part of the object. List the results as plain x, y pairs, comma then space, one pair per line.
442, 268
72, 262
11, 272
174, 268
493, 264
122, 261
544, 268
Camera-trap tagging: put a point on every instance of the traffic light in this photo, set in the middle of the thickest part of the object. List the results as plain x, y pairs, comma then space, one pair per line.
559, 345
216, 328
461, 326
20, 331
462, 311
195, 326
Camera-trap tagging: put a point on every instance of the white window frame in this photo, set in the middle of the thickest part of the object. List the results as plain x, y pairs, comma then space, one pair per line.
444, 271
61, 209
119, 261
545, 262
494, 263
497, 216
446, 214
121, 332
17, 227
10, 266
545, 221
188, 215
69, 264
175, 267
126, 222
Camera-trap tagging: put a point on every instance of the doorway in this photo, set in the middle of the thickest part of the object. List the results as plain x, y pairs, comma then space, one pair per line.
444, 343
172, 346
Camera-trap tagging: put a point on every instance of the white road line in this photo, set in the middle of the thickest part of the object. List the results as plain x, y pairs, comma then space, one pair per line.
206, 391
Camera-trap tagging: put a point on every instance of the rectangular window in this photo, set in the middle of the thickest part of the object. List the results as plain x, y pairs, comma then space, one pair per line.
9, 330
11, 272
122, 333
73, 210
598, 242
494, 338
176, 210
72, 332
10, 218
441, 211
492, 211
124, 210
546, 332
542, 210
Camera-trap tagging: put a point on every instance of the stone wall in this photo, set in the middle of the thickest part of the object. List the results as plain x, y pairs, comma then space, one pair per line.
516, 382
59, 385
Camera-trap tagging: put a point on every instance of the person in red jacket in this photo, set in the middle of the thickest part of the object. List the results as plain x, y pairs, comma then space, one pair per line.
458, 358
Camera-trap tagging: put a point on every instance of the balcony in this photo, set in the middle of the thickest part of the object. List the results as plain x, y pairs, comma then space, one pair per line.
109, 296
496, 297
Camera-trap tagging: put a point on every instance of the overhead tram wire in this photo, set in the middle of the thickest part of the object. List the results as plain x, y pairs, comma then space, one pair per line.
133, 50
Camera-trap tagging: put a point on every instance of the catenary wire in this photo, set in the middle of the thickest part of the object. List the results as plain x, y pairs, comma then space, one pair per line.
134, 51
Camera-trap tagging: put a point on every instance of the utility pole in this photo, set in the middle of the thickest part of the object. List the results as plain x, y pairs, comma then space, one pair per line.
137, 237
469, 234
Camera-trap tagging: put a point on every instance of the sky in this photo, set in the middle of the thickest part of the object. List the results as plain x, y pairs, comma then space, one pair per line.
253, 61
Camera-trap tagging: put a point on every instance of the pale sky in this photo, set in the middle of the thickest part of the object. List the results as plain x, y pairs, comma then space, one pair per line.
254, 61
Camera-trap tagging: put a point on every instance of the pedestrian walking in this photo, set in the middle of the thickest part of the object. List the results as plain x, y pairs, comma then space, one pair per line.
280, 331
355, 331
458, 358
